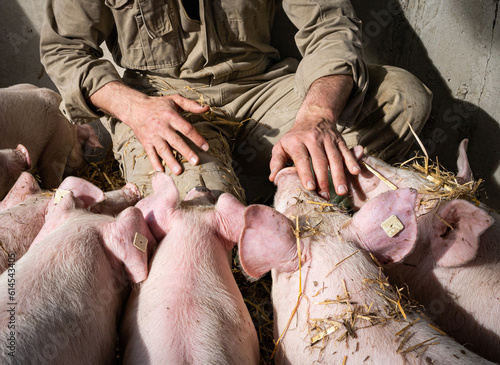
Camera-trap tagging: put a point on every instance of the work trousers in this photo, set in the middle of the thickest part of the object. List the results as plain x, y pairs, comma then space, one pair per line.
249, 116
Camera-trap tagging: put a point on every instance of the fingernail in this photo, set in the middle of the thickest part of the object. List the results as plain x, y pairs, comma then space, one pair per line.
342, 189
324, 195
311, 185
204, 147
356, 169
194, 160
177, 170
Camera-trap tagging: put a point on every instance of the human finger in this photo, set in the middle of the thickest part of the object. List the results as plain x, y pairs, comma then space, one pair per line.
176, 142
336, 168
279, 159
349, 158
153, 157
165, 152
188, 104
302, 161
185, 128
320, 165
358, 152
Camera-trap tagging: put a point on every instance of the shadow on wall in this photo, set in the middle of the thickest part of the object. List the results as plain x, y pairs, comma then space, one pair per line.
390, 39
20, 47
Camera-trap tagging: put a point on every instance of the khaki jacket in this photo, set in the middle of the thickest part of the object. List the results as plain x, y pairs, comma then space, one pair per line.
230, 42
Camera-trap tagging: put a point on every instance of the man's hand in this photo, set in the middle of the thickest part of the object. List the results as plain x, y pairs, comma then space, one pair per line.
155, 121
314, 138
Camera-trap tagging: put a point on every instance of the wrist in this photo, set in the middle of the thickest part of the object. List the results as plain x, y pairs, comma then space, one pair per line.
328, 95
117, 99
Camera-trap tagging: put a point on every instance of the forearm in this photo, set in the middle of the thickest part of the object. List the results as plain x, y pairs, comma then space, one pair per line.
117, 100
329, 38
326, 98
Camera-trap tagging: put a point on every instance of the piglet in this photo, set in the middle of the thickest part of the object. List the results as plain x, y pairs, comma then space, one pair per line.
332, 304
22, 211
30, 115
12, 163
189, 310
62, 300
454, 270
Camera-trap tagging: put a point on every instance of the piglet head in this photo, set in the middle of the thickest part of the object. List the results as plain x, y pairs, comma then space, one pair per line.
12, 163
454, 232
158, 208
386, 226
129, 241
289, 187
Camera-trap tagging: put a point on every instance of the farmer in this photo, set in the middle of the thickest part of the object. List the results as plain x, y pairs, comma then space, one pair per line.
206, 97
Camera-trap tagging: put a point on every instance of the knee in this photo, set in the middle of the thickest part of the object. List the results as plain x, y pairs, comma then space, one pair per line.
401, 91
414, 97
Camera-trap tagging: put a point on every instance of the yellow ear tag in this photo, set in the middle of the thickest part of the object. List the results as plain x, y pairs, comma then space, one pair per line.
60, 193
392, 226
140, 242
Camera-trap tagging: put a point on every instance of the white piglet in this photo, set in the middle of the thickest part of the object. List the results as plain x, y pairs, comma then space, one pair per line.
454, 269
190, 309
346, 311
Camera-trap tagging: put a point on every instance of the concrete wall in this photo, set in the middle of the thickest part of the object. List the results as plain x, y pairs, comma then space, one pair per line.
20, 25
452, 46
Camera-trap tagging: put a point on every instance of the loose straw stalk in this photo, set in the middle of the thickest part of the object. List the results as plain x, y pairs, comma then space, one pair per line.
297, 236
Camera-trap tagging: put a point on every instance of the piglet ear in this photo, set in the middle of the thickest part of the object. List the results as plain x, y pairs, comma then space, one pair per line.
25, 155
457, 246
84, 190
24, 187
157, 208
230, 216
130, 241
267, 242
464, 174
386, 226
164, 187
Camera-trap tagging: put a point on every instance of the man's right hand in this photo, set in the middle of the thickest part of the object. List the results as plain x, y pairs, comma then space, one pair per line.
155, 121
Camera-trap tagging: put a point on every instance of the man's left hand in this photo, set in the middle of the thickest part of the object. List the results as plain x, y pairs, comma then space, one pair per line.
314, 139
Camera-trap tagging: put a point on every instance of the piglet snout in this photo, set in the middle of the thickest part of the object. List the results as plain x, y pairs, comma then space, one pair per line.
201, 193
